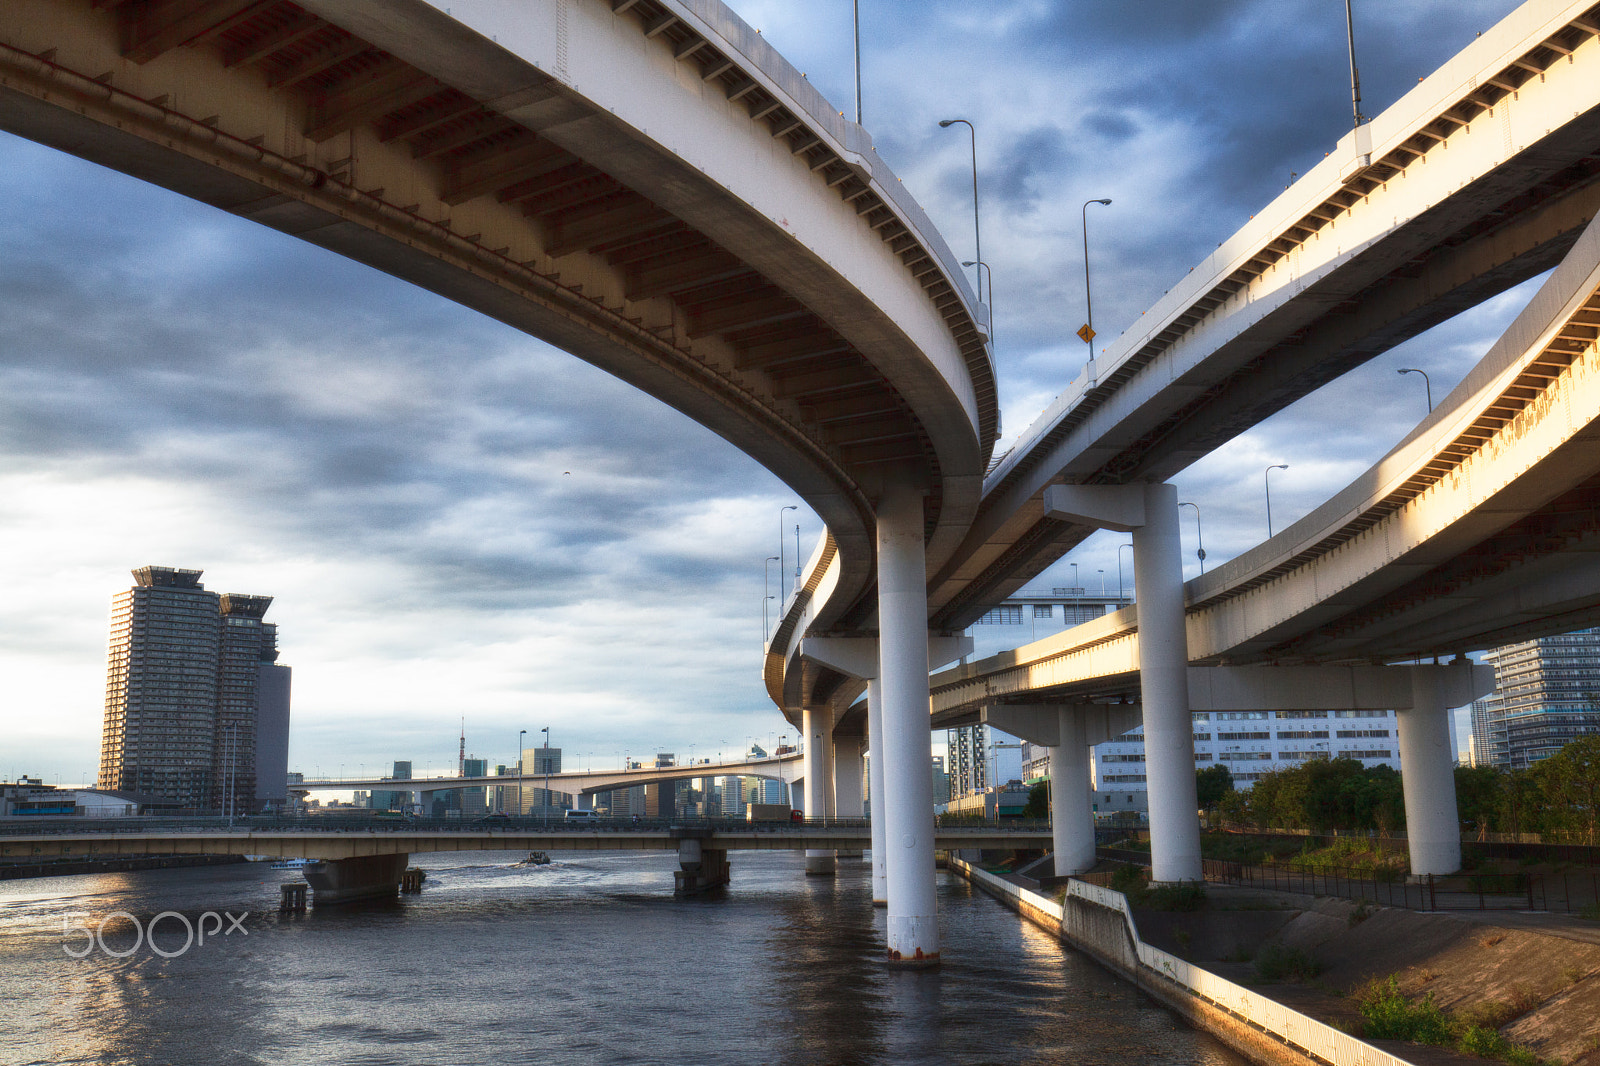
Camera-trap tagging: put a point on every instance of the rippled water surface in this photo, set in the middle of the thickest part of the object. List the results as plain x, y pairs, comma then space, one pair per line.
587, 960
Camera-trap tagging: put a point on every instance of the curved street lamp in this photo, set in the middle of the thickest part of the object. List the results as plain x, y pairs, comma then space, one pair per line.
1120, 589
1088, 300
766, 593
1266, 480
783, 592
1425, 382
977, 238
984, 267
1200, 551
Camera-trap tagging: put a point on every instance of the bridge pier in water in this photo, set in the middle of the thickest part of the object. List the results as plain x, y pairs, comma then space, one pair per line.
907, 797
818, 724
880, 873
361, 877
700, 869
847, 798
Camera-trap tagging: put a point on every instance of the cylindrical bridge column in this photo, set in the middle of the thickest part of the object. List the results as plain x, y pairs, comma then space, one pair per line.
1164, 684
818, 724
875, 796
907, 797
1427, 776
1071, 819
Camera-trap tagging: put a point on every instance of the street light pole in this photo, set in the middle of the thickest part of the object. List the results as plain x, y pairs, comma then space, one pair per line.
1425, 382
1355, 77
783, 593
1266, 480
1120, 589
855, 8
766, 594
1088, 298
977, 237
546, 732
1200, 551
982, 266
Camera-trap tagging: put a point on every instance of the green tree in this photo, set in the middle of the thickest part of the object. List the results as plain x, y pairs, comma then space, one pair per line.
1570, 783
1038, 805
1211, 784
1478, 795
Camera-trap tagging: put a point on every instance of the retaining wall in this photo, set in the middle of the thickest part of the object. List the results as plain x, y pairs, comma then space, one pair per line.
1099, 922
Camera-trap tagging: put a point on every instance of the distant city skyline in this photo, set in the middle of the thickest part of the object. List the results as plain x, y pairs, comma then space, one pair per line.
458, 520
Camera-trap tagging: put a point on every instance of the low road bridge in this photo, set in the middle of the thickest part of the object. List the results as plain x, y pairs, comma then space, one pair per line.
362, 861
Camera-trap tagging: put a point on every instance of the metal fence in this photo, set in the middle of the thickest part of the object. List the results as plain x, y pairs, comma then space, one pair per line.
1569, 892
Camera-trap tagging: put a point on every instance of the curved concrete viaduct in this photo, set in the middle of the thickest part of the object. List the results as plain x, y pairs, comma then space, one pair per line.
1480, 177
643, 183
646, 185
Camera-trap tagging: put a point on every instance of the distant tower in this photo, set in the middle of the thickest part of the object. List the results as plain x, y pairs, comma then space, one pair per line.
197, 711
461, 760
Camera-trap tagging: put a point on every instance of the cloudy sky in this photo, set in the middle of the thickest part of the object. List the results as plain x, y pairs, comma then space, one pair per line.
460, 522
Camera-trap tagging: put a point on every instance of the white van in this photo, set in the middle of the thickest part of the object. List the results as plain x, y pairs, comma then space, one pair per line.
575, 815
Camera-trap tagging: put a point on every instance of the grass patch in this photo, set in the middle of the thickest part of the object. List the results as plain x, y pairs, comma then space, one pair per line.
1389, 1015
1132, 882
1357, 856
1283, 965
1590, 913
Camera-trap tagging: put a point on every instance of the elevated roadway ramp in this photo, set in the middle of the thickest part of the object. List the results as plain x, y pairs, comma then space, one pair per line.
1481, 527
1478, 178
643, 183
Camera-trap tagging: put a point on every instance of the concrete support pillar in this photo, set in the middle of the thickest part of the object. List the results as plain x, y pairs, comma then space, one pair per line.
1427, 768
1071, 817
875, 796
1164, 685
847, 799
818, 758
907, 776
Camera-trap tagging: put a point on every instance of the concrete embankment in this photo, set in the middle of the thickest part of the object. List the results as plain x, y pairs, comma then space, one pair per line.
1097, 921
12, 870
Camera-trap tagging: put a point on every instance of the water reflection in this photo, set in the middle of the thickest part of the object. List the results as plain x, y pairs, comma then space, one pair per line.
588, 960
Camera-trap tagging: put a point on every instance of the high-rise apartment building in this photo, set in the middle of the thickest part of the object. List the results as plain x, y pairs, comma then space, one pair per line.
197, 708
1547, 694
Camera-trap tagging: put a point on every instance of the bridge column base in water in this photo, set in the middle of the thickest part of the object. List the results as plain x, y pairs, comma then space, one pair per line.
1433, 833
818, 760
700, 869
874, 799
907, 797
363, 877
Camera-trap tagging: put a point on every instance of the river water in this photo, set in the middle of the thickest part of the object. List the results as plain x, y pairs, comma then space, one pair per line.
587, 960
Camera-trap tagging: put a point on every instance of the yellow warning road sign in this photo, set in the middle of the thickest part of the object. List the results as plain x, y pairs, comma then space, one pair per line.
1086, 334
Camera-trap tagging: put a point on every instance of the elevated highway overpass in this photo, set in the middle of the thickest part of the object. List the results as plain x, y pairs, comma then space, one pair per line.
1479, 178
1482, 176
643, 183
